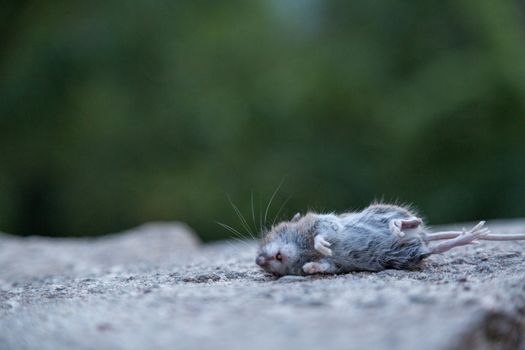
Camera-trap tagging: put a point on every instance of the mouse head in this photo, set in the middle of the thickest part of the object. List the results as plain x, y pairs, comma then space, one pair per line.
286, 247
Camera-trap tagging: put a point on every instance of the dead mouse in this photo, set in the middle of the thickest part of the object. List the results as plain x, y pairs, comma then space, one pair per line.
377, 238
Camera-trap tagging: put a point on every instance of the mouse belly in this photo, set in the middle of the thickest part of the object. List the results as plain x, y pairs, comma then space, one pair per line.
380, 253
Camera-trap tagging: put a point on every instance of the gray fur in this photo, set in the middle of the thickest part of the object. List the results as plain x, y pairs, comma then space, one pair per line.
361, 241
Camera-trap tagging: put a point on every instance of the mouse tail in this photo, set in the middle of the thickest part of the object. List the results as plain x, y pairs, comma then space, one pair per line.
503, 237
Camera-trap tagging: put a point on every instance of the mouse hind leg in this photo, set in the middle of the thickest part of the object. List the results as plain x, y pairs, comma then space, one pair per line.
460, 239
399, 226
488, 237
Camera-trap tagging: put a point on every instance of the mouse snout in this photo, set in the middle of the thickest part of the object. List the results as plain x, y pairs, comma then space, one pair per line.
262, 260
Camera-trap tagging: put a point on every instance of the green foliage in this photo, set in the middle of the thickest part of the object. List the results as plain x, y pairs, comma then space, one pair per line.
114, 113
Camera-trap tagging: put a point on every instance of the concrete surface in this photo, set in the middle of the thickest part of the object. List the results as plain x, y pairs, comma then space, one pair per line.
155, 287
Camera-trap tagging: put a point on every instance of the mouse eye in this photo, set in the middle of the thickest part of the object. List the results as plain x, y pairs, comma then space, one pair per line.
279, 256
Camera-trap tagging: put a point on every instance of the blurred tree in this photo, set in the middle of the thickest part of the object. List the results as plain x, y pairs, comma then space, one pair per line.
114, 114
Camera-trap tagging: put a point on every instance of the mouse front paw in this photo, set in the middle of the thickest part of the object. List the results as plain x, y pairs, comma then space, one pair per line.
321, 245
312, 268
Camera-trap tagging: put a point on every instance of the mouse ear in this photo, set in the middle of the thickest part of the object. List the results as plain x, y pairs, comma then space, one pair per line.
296, 217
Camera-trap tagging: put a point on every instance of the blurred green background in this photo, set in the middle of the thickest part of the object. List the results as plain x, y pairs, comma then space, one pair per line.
114, 113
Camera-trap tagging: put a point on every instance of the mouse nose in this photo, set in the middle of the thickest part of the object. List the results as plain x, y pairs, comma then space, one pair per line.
262, 260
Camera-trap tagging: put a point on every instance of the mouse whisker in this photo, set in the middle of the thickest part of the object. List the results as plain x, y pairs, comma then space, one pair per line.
260, 215
280, 209
241, 241
271, 200
232, 230
244, 223
253, 213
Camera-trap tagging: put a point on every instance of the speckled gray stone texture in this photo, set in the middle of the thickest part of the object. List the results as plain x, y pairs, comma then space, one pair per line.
156, 287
